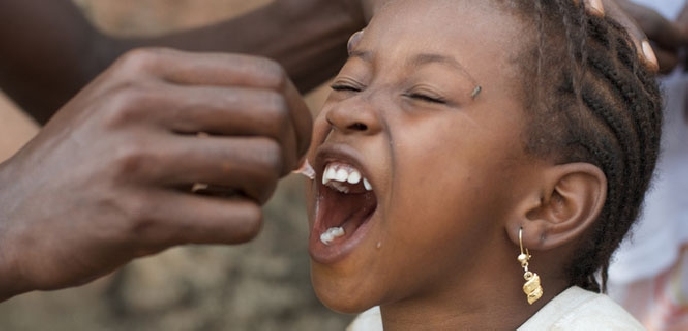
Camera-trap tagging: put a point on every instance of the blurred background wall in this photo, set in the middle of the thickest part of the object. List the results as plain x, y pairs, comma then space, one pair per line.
264, 285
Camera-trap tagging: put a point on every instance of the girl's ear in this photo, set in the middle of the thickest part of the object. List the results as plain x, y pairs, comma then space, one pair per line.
562, 206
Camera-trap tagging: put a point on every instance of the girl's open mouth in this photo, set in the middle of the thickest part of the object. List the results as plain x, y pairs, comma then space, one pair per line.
345, 203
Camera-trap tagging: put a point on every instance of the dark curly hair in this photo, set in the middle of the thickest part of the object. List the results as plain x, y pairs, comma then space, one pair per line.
590, 99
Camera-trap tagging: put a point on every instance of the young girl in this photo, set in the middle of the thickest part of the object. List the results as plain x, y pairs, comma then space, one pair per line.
477, 164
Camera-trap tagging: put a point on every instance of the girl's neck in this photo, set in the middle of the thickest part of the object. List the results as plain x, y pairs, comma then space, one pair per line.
498, 306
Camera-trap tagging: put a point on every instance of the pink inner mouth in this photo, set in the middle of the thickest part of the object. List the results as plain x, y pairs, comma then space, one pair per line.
348, 211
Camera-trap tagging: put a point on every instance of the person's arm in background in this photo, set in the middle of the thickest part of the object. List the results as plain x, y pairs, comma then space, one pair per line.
48, 50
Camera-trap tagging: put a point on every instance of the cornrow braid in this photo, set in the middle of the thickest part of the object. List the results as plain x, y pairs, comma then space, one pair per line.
597, 104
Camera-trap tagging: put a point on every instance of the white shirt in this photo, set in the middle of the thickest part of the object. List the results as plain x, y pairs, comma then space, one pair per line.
574, 309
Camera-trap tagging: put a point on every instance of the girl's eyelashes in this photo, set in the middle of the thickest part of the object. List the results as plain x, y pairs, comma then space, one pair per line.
425, 94
422, 96
345, 87
426, 98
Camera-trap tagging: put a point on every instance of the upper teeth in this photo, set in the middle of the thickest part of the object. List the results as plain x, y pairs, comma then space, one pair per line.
337, 174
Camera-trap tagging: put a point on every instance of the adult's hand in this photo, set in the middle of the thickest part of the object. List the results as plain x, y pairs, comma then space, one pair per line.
618, 11
108, 179
665, 36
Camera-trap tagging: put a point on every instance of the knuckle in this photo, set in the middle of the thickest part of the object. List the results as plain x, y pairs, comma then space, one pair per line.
249, 228
275, 75
269, 180
271, 156
278, 110
127, 104
138, 60
265, 174
130, 158
138, 219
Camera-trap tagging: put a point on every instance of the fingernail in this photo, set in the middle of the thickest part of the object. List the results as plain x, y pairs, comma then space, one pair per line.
649, 54
596, 7
306, 169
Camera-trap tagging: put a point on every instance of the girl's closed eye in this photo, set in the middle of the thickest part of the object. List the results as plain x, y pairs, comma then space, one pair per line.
425, 94
346, 86
425, 98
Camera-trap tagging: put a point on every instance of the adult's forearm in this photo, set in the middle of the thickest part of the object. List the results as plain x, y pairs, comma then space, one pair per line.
46, 53
48, 50
11, 281
308, 37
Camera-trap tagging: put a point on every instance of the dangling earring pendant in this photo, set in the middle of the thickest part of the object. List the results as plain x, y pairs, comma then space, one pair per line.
532, 288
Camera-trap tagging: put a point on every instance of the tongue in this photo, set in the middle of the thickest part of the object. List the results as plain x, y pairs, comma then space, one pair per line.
348, 211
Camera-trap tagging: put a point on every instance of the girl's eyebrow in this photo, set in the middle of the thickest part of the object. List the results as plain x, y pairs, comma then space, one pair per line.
422, 59
418, 60
430, 58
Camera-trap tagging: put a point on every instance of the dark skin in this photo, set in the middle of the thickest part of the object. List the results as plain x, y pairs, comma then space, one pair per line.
413, 268
307, 38
114, 167
94, 190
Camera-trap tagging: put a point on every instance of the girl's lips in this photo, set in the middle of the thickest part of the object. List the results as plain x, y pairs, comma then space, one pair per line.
345, 200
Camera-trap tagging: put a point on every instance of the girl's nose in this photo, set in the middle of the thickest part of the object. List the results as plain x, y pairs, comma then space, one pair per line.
354, 116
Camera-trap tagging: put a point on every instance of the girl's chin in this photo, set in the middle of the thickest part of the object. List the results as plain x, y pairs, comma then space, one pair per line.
347, 309
344, 303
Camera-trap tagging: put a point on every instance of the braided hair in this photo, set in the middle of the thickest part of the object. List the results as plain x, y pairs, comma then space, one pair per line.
593, 102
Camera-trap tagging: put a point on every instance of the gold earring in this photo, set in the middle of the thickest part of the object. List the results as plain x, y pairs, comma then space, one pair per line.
532, 287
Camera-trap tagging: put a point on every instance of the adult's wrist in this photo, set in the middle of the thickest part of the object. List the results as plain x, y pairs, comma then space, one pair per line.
11, 282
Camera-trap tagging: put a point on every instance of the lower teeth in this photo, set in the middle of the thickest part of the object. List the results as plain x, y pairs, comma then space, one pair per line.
330, 234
